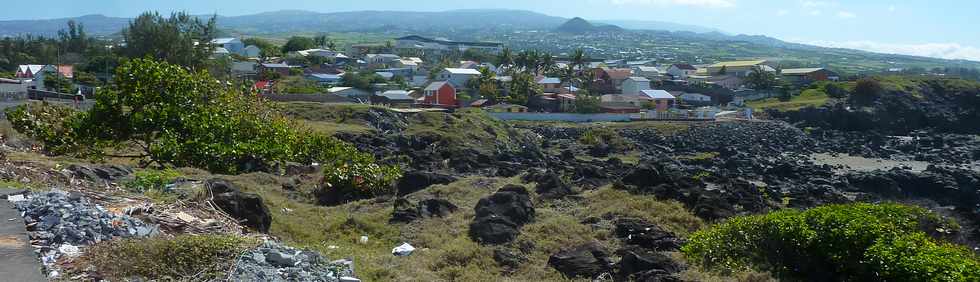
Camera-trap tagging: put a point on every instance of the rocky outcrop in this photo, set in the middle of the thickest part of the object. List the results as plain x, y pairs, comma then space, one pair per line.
414, 181
406, 212
584, 261
246, 207
500, 215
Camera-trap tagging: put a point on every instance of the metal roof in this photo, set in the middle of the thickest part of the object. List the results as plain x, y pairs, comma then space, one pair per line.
658, 94
435, 86
800, 71
463, 71
550, 80
733, 64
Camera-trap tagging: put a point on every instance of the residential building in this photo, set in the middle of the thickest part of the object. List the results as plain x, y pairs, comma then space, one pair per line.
439, 94
681, 71
809, 75
428, 46
620, 103
233, 45
566, 102
407, 73
695, 98
738, 68
634, 85
550, 84
458, 77
13, 89
382, 59
244, 69
325, 78
651, 73
280, 68
662, 99
394, 99
349, 92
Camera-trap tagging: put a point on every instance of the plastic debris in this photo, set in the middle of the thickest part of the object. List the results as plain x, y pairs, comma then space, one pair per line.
69, 250
404, 250
16, 198
364, 240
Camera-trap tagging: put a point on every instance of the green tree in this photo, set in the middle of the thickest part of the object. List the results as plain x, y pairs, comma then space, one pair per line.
181, 39
86, 78
866, 91
58, 83
834, 90
505, 59
579, 59
586, 104
268, 48
74, 39
759, 79
522, 88
298, 43
178, 117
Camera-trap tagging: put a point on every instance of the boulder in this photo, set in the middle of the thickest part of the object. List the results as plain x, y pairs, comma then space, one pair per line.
585, 261
493, 230
436, 208
508, 258
644, 234
246, 207
413, 181
552, 186
644, 265
404, 212
499, 215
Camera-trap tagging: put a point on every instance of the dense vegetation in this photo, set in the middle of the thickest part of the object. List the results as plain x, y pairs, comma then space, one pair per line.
182, 257
861, 242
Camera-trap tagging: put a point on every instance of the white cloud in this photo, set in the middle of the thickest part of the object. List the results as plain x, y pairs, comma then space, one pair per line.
892, 8
818, 4
815, 12
952, 51
782, 12
846, 15
697, 3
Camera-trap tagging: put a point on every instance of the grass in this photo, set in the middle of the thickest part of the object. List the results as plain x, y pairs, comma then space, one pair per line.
160, 258
808, 98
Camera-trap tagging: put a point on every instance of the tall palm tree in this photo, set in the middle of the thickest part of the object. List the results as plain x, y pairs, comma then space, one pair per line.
522, 60
534, 61
579, 58
547, 63
506, 58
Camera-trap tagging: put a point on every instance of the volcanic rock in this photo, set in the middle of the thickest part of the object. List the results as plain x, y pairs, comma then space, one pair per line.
246, 207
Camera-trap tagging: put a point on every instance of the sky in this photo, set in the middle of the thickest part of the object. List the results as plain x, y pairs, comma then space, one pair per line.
934, 28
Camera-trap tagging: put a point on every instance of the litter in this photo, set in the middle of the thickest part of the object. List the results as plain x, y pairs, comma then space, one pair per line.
404, 250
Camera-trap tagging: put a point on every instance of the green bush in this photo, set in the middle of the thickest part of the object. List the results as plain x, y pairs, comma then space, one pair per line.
146, 180
600, 135
185, 257
358, 179
183, 119
859, 242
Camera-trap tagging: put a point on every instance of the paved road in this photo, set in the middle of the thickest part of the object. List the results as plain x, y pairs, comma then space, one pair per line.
17, 260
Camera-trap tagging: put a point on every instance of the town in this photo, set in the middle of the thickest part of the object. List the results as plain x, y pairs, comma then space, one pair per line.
487, 145
416, 72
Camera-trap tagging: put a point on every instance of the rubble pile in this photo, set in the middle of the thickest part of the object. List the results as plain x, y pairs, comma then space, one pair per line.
59, 222
277, 262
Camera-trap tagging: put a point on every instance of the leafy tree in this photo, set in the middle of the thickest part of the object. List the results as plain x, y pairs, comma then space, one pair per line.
180, 118
760, 79
522, 88
866, 91
359, 80
586, 104
86, 78
476, 55
834, 90
58, 83
181, 39
74, 39
298, 43
268, 48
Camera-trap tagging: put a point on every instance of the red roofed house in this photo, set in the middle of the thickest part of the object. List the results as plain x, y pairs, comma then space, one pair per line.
439, 94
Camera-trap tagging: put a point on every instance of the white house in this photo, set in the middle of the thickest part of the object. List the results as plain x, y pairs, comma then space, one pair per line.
681, 71
634, 85
458, 77
661, 98
651, 73
382, 59
233, 45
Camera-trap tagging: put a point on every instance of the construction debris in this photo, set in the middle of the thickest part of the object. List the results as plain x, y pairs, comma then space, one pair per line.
276, 262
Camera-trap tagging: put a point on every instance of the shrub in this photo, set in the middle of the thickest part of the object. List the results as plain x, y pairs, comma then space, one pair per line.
147, 180
862, 242
185, 257
181, 118
866, 91
599, 136
358, 179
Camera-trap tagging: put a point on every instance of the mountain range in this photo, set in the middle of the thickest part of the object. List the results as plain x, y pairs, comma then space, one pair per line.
298, 21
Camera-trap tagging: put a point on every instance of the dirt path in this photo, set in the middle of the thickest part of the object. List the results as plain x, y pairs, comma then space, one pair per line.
17, 261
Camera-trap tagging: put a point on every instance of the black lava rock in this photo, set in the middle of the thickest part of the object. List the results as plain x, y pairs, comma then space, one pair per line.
246, 207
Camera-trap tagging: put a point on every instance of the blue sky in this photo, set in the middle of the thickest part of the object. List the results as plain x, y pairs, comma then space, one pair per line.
937, 28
